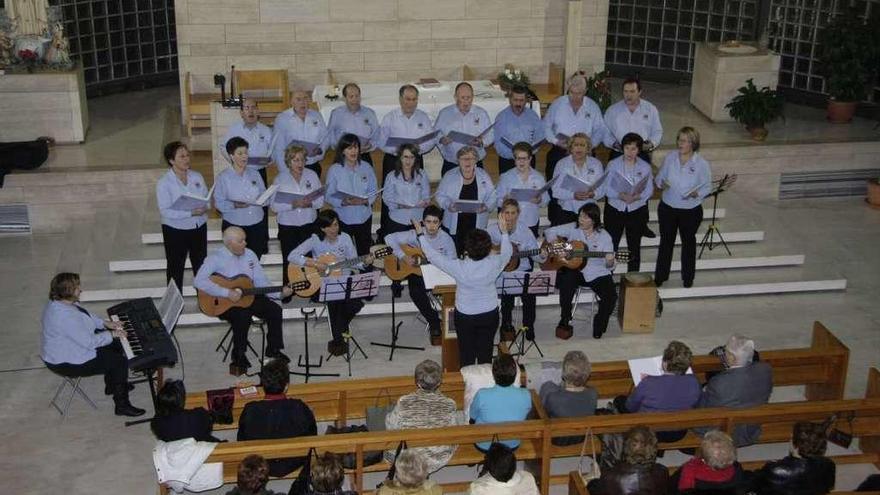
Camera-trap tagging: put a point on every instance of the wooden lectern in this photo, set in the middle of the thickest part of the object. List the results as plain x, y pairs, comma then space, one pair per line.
449, 347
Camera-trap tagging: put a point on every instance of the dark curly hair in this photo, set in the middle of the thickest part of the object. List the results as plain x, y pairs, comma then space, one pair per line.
639, 445
235, 143
477, 244
504, 370
170, 150
809, 439
253, 474
275, 376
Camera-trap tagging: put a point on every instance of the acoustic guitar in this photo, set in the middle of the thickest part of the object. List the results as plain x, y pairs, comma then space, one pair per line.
297, 273
576, 254
556, 248
215, 306
397, 269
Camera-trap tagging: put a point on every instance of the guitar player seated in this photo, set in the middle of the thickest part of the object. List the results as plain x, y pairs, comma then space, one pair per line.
522, 237
596, 273
234, 258
329, 240
440, 241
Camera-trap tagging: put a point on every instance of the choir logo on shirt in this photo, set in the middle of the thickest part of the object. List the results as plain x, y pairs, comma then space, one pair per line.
420, 125
198, 185
591, 171
251, 264
315, 123
645, 116
363, 178
308, 184
253, 183
477, 121
587, 115
692, 169
367, 122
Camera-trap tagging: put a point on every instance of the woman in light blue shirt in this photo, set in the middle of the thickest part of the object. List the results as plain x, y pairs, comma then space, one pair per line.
356, 178
407, 190
628, 210
184, 231
235, 194
685, 179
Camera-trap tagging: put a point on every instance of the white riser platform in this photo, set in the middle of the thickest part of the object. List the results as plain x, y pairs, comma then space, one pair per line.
275, 258
214, 234
647, 266
194, 319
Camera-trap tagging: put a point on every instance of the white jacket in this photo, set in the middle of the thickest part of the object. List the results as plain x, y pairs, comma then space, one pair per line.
181, 465
522, 483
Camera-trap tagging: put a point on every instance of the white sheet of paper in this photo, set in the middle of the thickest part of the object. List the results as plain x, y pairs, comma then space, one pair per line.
692, 190
622, 184
345, 195
282, 196
434, 276
395, 141
189, 201
535, 145
651, 366
461, 137
576, 184
468, 206
524, 194
264, 198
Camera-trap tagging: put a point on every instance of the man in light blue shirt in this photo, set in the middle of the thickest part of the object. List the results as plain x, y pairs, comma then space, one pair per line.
353, 118
503, 402
232, 260
514, 124
257, 135
302, 124
467, 118
633, 114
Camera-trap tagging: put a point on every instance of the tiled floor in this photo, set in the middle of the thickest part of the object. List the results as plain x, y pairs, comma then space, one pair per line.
92, 451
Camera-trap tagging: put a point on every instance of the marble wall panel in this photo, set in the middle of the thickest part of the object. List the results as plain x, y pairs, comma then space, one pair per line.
330, 31
464, 29
431, 9
294, 11
223, 11
397, 61
261, 33
498, 9
394, 30
457, 58
363, 10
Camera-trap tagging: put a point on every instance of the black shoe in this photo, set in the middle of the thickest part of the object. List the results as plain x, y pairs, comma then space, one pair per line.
530, 334
649, 233
396, 289
286, 300
124, 408
597, 334
659, 311
240, 362
107, 390
337, 348
273, 354
688, 284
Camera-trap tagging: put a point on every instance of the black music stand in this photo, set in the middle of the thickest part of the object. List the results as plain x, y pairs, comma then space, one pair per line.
395, 331
708, 241
540, 283
346, 288
303, 360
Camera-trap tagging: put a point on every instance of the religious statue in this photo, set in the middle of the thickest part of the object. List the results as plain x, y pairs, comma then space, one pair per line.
30, 15
59, 48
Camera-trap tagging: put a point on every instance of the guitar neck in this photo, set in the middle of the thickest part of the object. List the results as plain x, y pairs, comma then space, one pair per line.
258, 291
527, 253
350, 262
590, 254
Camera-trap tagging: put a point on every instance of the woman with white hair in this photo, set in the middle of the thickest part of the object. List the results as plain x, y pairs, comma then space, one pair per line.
714, 468
572, 397
410, 476
427, 407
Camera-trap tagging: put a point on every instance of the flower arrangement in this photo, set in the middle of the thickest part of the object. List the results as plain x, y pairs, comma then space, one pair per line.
512, 77
598, 88
28, 59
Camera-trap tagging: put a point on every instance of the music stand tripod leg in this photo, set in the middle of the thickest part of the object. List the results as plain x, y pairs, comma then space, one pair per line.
303, 361
395, 333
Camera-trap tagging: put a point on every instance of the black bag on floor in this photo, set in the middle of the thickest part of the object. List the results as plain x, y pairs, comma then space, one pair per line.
350, 460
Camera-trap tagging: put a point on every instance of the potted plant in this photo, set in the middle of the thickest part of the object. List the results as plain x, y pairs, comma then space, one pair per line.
755, 107
847, 55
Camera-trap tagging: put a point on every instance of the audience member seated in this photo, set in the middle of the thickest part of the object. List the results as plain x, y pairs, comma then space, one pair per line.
173, 422
327, 475
805, 471
713, 470
503, 402
253, 474
638, 473
674, 390
410, 476
277, 416
500, 477
427, 407
742, 385
572, 397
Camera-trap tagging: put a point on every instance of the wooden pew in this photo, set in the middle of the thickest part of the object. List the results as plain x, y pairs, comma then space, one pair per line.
821, 367
776, 420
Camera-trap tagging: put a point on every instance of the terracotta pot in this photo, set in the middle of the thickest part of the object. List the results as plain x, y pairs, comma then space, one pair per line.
841, 112
758, 133
873, 198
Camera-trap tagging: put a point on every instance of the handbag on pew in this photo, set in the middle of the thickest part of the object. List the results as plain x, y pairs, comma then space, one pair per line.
392, 471
349, 460
595, 472
376, 414
836, 435
302, 485
220, 402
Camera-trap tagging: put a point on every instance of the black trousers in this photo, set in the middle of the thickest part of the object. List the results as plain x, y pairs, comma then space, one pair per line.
109, 361
178, 245
476, 336
240, 319
389, 164
447, 166
634, 223
361, 234
341, 313
24, 155
264, 223
567, 281
255, 235
685, 222
505, 164
419, 295
290, 237
528, 310
554, 211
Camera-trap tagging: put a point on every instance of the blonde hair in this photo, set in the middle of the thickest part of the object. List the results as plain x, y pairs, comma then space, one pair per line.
693, 136
717, 449
292, 151
581, 135
63, 286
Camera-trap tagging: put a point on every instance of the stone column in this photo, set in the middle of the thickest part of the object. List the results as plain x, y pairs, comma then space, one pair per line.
573, 36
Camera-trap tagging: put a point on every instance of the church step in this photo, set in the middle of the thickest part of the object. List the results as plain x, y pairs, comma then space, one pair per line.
275, 258
647, 266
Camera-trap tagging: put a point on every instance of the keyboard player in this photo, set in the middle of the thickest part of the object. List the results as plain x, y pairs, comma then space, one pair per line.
77, 343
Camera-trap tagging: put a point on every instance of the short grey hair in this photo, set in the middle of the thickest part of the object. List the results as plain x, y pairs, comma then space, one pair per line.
576, 368
412, 469
467, 150
742, 348
232, 231
717, 449
577, 81
429, 375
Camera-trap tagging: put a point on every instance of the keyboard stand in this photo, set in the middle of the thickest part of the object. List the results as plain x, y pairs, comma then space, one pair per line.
149, 375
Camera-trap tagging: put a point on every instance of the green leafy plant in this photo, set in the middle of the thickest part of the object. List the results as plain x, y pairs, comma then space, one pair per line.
848, 55
599, 88
755, 107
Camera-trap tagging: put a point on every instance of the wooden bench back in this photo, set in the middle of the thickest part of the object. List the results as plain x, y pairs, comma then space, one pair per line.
776, 420
821, 367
